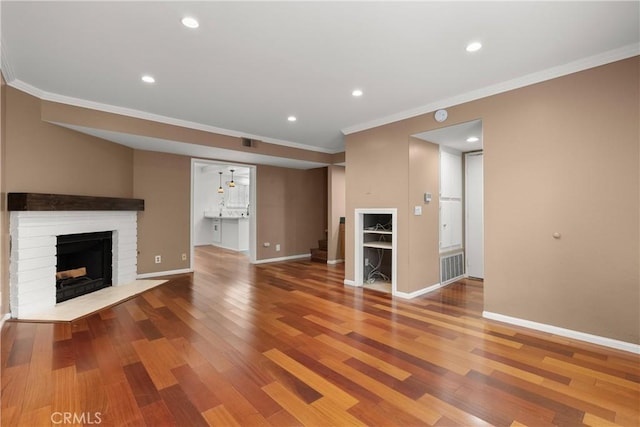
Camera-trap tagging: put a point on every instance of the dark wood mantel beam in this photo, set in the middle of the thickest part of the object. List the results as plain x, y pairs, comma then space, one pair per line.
65, 202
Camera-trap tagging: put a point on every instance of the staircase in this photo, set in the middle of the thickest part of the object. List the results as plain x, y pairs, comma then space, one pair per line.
319, 254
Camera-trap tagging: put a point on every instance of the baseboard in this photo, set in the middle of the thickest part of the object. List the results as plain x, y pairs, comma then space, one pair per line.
284, 258
348, 282
403, 295
164, 273
567, 333
455, 279
4, 318
417, 293
229, 248
335, 261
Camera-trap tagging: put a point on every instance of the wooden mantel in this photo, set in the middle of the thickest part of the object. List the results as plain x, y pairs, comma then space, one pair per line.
65, 202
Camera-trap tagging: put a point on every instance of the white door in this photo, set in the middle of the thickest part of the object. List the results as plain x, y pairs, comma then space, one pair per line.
475, 218
450, 199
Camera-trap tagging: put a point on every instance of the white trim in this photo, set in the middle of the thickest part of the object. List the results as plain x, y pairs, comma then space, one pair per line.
540, 76
192, 253
335, 261
455, 279
5, 66
419, 292
348, 282
130, 112
284, 258
6, 317
568, 333
229, 248
253, 213
253, 185
164, 273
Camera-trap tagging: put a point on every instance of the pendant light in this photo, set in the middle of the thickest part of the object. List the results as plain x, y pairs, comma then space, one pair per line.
220, 189
231, 183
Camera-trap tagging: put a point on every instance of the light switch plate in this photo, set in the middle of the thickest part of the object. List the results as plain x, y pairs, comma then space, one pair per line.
417, 210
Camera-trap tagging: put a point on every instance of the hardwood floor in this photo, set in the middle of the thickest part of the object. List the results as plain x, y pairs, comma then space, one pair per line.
287, 344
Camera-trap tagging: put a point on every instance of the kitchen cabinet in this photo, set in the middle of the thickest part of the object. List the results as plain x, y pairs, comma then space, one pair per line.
229, 232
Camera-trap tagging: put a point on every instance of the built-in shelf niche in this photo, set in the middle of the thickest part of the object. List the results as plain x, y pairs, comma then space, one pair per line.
376, 230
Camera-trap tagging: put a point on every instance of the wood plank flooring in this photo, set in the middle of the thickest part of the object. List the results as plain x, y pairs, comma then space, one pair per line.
287, 344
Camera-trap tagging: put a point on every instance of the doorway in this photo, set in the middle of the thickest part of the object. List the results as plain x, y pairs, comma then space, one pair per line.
461, 199
223, 209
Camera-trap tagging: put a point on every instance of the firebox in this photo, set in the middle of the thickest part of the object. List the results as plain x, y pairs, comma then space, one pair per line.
84, 264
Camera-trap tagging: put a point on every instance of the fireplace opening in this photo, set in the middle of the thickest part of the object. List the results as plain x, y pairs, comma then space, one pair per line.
84, 264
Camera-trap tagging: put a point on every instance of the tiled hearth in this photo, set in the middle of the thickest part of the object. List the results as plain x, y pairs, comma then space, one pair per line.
33, 252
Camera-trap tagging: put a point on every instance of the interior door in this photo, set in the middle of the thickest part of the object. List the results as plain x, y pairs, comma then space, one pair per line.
475, 217
450, 199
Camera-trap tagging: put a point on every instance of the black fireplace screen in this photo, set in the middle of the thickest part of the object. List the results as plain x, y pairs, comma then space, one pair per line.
84, 264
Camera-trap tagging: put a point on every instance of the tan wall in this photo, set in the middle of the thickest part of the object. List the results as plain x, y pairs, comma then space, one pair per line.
424, 248
69, 114
38, 152
336, 209
164, 182
291, 207
563, 157
40, 157
376, 177
46, 158
4, 216
291, 210
560, 156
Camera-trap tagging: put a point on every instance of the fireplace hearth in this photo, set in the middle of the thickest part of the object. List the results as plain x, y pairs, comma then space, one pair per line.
84, 264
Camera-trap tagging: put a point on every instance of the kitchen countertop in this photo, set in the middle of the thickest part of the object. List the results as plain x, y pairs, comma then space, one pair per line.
214, 215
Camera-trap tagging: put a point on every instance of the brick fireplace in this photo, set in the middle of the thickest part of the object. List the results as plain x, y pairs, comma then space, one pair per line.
36, 221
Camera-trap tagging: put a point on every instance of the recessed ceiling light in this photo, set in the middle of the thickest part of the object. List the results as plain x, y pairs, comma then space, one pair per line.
473, 139
148, 79
357, 92
292, 118
474, 47
190, 22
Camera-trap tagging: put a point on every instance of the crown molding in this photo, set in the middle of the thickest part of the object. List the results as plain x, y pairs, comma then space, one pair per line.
548, 74
529, 79
130, 112
5, 66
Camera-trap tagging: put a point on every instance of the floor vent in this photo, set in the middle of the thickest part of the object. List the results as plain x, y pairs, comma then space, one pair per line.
451, 268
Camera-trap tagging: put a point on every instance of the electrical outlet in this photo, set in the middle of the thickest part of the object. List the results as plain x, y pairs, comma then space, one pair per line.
158, 259
278, 247
266, 244
184, 257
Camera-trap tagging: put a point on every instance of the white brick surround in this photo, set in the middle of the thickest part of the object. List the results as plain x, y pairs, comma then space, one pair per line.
33, 252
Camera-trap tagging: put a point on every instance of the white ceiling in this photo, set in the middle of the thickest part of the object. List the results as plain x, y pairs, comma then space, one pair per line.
251, 64
456, 136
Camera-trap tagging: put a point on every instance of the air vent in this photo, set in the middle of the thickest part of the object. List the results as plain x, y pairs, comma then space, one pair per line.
451, 268
247, 142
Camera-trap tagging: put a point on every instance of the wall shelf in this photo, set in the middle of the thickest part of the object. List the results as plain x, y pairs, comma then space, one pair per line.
377, 232
380, 245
